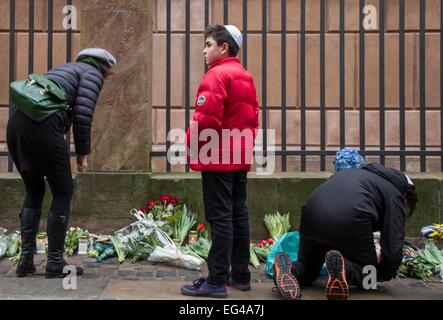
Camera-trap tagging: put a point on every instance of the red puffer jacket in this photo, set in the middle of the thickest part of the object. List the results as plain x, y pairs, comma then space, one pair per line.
225, 123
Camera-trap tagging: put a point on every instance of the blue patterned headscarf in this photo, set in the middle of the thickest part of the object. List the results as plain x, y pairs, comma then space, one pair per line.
348, 158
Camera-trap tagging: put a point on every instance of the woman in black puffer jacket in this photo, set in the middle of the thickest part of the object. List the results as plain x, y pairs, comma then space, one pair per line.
39, 150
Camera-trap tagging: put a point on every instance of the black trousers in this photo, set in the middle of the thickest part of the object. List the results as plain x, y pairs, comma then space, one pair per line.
311, 256
224, 196
40, 150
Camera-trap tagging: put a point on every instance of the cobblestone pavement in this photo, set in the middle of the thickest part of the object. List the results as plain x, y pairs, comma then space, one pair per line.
146, 280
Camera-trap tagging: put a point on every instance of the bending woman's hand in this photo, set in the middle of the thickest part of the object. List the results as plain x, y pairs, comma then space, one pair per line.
82, 163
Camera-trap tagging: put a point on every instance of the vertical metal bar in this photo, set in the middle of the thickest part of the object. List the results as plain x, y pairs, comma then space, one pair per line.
50, 31
187, 64
206, 13
303, 81
11, 59
362, 78
69, 37
69, 59
323, 85
225, 11
206, 25
402, 83
441, 82
264, 75
423, 84
342, 75
382, 78
245, 34
168, 79
283, 84
31, 37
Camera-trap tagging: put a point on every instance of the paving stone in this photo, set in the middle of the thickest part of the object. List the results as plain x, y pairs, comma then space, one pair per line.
91, 275
164, 274
146, 262
147, 268
88, 264
124, 273
182, 272
4, 269
111, 261
145, 274
5, 262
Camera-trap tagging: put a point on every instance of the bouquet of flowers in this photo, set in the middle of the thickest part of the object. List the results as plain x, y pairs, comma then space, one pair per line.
183, 221
277, 224
263, 249
253, 259
72, 238
201, 247
14, 249
138, 240
162, 208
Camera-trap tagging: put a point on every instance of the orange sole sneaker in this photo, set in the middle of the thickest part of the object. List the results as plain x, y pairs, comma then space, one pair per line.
337, 288
286, 283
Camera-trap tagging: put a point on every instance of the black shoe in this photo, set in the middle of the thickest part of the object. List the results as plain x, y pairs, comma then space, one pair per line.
57, 226
286, 283
337, 288
202, 288
29, 222
241, 286
58, 270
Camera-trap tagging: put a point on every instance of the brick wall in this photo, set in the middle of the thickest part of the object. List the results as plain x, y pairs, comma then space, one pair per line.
254, 54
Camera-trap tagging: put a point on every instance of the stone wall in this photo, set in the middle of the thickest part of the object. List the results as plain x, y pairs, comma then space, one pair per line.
102, 201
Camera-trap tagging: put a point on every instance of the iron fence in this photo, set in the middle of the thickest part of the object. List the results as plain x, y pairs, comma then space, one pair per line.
401, 152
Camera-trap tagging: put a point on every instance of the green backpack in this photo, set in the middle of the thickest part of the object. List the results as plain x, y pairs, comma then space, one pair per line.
38, 97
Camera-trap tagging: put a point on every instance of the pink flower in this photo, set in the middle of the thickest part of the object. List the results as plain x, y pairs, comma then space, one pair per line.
201, 227
143, 210
270, 241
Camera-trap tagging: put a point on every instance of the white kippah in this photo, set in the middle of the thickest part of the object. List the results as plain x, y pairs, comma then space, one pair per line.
101, 54
235, 33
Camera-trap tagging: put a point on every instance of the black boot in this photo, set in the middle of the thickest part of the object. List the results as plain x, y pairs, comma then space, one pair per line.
29, 222
57, 226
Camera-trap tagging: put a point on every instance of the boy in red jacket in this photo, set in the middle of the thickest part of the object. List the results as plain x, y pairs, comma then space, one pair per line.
220, 145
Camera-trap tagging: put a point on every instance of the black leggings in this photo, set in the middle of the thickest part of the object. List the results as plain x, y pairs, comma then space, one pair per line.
61, 188
39, 150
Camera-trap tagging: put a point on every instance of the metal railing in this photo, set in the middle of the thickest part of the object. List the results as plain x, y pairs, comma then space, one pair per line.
402, 152
31, 49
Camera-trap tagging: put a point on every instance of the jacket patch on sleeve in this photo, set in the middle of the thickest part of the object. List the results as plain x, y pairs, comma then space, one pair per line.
201, 101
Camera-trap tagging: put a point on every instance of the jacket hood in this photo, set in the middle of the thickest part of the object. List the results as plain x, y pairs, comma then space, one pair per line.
396, 177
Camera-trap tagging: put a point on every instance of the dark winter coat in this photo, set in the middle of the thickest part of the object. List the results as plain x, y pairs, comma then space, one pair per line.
346, 210
82, 83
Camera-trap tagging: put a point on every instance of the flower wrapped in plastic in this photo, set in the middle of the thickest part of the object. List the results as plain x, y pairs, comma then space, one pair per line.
146, 239
3, 242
